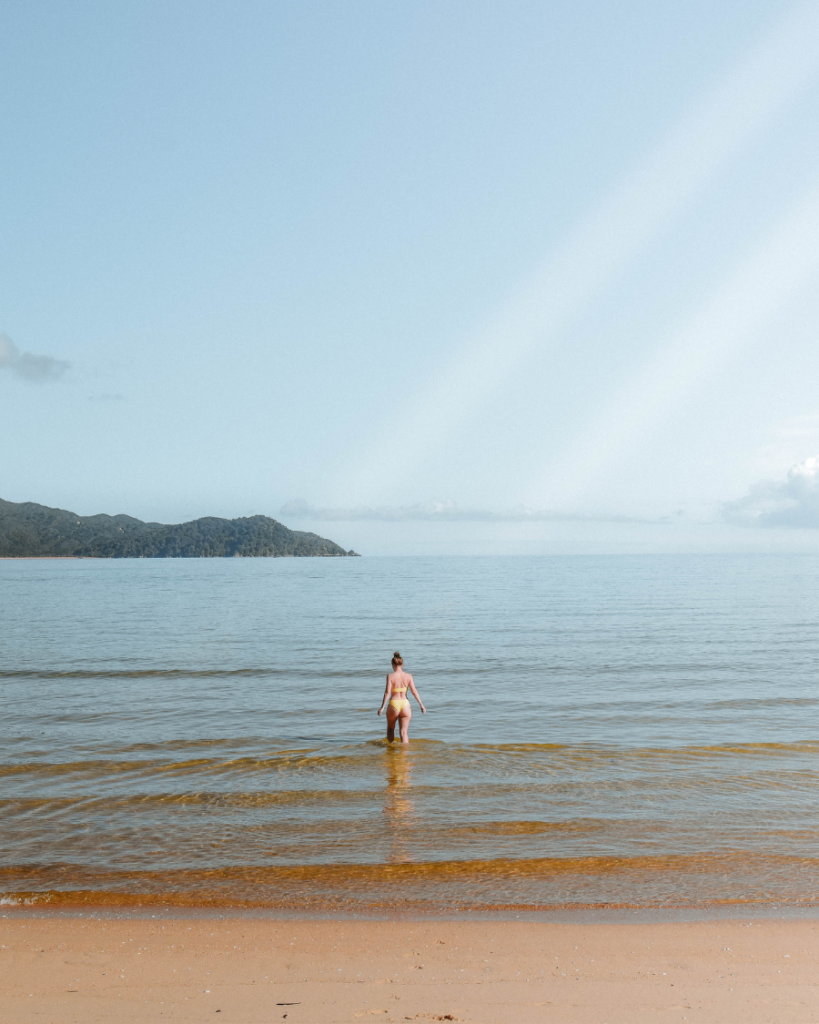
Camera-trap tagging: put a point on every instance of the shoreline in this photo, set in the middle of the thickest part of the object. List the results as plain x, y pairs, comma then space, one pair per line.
255, 971
491, 886
125, 906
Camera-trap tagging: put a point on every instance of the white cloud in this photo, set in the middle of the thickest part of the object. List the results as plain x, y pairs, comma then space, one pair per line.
447, 511
791, 441
27, 365
793, 501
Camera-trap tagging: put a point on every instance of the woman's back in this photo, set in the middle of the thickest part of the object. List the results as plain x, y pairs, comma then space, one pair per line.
399, 680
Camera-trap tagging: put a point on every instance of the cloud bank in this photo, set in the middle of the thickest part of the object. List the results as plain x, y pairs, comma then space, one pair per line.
33, 368
792, 502
448, 511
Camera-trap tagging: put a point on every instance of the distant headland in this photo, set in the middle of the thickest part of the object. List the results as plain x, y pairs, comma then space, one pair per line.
28, 530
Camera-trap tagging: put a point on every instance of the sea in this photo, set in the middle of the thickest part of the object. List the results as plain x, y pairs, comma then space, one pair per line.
624, 731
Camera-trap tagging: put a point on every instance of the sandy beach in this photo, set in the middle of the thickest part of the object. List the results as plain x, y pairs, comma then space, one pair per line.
249, 970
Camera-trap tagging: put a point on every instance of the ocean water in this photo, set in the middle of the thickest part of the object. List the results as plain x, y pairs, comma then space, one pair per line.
601, 731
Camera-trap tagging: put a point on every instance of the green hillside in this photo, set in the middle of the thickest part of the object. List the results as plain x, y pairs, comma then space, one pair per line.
28, 530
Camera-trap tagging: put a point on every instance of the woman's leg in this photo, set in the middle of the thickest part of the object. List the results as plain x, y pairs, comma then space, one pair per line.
392, 716
403, 724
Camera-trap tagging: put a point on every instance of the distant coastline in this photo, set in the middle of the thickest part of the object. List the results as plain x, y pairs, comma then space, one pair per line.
29, 530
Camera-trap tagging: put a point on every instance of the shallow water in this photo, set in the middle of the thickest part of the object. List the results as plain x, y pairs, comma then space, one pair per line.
615, 730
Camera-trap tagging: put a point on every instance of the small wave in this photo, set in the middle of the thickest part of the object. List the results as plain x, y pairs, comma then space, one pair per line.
534, 759
669, 881
528, 828
22, 900
143, 801
320, 672
694, 750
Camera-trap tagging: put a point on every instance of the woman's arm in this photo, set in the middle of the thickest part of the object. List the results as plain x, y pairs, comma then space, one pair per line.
415, 695
387, 693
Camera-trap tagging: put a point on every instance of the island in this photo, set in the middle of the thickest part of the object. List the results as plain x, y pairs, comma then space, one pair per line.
28, 530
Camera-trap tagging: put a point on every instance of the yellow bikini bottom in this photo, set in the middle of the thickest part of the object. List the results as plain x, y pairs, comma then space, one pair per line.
399, 703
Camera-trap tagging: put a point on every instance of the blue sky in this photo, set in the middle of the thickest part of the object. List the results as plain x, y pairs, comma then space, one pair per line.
432, 276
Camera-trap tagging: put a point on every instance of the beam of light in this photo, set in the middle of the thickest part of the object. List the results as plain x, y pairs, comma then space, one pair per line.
764, 282
749, 96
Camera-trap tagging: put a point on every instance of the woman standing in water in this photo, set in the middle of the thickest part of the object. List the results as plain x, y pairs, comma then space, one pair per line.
398, 709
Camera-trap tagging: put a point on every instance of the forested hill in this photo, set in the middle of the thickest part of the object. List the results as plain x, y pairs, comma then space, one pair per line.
29, 530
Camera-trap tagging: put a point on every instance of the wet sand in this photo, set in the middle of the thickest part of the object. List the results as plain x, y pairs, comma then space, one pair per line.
249, 970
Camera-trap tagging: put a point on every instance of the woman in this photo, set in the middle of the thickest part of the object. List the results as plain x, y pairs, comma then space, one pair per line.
398, 709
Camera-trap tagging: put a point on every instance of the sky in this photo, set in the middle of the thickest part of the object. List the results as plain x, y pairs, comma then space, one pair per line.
427, 278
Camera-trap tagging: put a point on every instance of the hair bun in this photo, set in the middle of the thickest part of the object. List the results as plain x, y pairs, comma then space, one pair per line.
397, 659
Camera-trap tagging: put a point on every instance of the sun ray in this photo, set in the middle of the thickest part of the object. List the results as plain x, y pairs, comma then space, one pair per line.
762, 284
712, 133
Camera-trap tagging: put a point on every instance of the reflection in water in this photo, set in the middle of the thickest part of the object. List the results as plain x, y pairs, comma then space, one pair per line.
398, 807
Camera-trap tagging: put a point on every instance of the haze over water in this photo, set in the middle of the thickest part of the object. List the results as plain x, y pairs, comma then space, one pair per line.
635, 730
